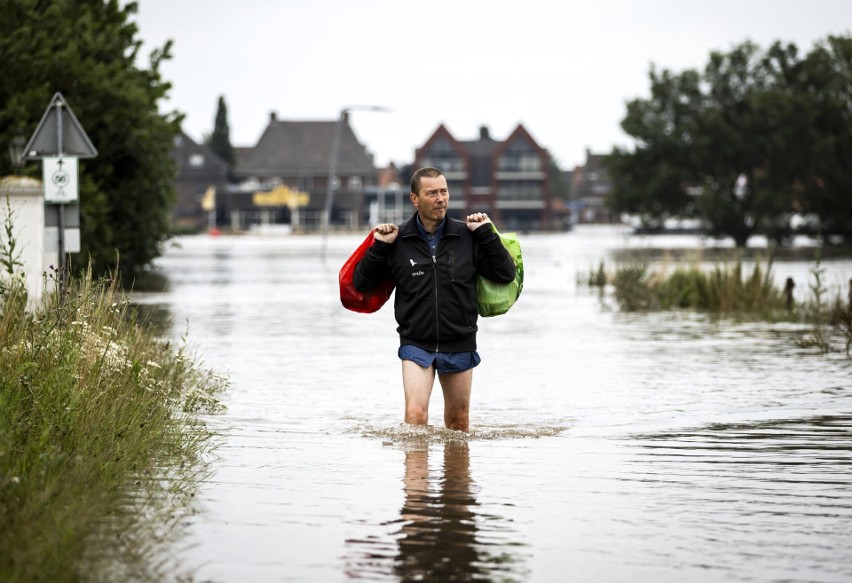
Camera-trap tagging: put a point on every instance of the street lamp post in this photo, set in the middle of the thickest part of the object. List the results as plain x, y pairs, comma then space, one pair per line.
332, 167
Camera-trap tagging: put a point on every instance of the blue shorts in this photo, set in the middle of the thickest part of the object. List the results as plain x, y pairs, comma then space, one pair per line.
444, 361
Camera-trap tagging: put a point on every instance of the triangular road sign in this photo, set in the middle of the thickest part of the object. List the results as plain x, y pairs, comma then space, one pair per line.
45, 140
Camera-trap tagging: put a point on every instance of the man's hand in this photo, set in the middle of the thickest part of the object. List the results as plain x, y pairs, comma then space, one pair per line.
476, 220
386, 232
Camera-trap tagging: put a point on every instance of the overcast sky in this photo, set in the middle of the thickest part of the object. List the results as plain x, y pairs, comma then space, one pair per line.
562, 68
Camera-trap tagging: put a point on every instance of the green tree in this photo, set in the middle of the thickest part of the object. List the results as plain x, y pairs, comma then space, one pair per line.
822, 181
649, 182
220, 140
87, 49
754, 138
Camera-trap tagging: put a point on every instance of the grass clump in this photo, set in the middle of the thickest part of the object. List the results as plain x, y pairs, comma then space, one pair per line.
728, 290
842, 321
827, 320
634, 288
99, 424
723, 290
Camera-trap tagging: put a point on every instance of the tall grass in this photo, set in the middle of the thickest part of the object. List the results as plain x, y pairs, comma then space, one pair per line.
100, 435
728, 290
827, 319
842, 322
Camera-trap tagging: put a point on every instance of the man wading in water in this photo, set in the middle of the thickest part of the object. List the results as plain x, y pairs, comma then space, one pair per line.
434, 261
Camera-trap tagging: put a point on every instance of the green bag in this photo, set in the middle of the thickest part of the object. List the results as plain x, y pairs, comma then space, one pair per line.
492, 298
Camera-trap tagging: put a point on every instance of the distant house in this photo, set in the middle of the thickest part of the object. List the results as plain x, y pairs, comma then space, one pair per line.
507, 178
590, 185
295, 156
388, 200
198, 169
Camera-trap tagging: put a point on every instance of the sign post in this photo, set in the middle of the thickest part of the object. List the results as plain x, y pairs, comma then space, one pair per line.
59, 141
60, 179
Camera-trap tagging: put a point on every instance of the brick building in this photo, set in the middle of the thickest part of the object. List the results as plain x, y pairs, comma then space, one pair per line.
507, 178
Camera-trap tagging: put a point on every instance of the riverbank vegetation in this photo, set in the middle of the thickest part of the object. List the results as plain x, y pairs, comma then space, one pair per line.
101, 438
730, 290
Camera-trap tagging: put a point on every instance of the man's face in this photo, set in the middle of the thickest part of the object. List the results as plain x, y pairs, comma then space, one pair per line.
432, 200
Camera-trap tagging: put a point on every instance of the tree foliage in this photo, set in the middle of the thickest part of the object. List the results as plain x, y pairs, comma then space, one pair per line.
754, 139
220, 140
87, 50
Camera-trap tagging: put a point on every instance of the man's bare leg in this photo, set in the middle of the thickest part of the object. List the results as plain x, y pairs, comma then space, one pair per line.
456, 387
417, 383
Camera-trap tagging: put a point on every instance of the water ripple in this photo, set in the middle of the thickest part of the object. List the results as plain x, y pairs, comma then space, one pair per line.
404, 433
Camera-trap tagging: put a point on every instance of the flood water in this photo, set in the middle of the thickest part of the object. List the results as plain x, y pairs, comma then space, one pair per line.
605, 446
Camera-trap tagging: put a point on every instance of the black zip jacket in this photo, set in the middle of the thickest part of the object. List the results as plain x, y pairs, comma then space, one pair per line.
435, 299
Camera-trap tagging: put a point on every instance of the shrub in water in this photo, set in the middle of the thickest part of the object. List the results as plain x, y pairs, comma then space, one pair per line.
634, 289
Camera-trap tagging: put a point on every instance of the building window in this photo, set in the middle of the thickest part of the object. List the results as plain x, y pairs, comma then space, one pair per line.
456, 189
443, 156
520, 190
355, 184
196, 160
520, 156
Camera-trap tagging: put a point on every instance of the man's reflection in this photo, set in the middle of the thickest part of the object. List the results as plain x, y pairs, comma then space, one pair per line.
438, 537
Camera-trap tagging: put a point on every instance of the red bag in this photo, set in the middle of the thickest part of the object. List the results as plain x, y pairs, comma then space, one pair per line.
368, 301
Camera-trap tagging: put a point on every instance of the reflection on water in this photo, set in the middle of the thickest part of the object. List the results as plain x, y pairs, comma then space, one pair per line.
438, 535
442, 533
